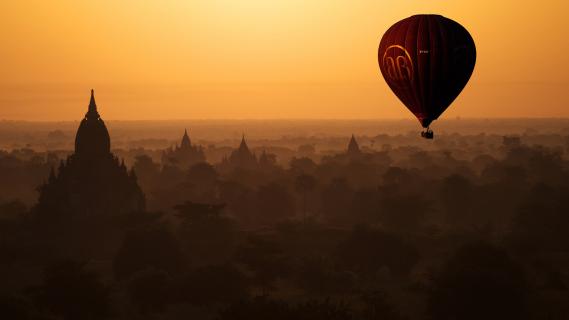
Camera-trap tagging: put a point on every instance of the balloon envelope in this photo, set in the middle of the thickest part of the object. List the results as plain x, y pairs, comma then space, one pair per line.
427, 60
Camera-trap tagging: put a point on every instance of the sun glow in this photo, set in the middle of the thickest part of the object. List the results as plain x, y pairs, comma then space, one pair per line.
257, 59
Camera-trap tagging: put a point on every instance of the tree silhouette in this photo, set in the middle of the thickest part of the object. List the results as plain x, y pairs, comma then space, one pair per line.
366, 250
203, 179
206, 234
149, 290
302, 165
72, 292
265, 259
377, 307
319, 275
457, 195
145, 247
336, 199
274, 203
304, 184
264, 308
541, 221
213, 284
147, 171
479, 281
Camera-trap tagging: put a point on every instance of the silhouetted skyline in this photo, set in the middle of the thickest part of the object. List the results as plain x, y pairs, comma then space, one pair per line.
274, 174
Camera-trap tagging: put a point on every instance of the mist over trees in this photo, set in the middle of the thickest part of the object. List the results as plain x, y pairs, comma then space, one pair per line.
469, 226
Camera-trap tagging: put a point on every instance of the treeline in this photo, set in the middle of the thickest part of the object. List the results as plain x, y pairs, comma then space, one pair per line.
401, 233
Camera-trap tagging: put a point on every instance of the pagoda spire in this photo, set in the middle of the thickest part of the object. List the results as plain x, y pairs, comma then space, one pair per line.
92, 111
186, 142
92, 137
353, 147
243, 144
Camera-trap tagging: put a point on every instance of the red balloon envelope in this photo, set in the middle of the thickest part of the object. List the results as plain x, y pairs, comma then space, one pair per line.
427, 60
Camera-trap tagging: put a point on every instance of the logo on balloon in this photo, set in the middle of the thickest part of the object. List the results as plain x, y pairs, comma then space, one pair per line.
398, 64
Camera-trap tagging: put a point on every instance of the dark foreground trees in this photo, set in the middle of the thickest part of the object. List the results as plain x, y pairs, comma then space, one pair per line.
480, 281
263, 307
150, 246
70, 291
368, 249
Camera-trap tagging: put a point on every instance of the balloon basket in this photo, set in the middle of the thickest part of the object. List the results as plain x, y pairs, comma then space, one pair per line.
428, 134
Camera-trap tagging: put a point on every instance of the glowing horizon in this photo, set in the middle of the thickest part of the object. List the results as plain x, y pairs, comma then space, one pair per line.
283, 59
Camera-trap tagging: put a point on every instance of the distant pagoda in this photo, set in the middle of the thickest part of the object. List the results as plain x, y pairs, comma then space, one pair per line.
185, 155
353, 147
92, 181
241, 157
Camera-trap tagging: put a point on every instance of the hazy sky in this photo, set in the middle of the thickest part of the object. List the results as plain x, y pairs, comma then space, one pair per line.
264, 58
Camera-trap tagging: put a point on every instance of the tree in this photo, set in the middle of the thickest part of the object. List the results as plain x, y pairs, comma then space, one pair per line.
302, 165
213, 284
193, 212
404, 212
479, 281
149, 290
12, 210
72, 292
457, 195
368, 249
265, 259
336, 199
264, 308
205, 232
240, 199
377, 307
146, 170
203, 173
304, 184
274, 203
318, 275
541, 221
258, 308
203, 179
14, 306
306, 150
365, 206
151, 246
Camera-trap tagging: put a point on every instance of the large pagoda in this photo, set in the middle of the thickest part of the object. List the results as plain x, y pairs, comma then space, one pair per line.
92, 181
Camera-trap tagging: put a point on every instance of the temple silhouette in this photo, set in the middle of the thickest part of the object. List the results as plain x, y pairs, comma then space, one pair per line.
242, 157
92, 181
185, 155
353, 147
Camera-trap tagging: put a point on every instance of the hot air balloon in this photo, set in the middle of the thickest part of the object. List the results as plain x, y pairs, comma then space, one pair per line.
427, 60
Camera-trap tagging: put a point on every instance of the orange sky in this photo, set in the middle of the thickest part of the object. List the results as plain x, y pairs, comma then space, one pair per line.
180, 59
